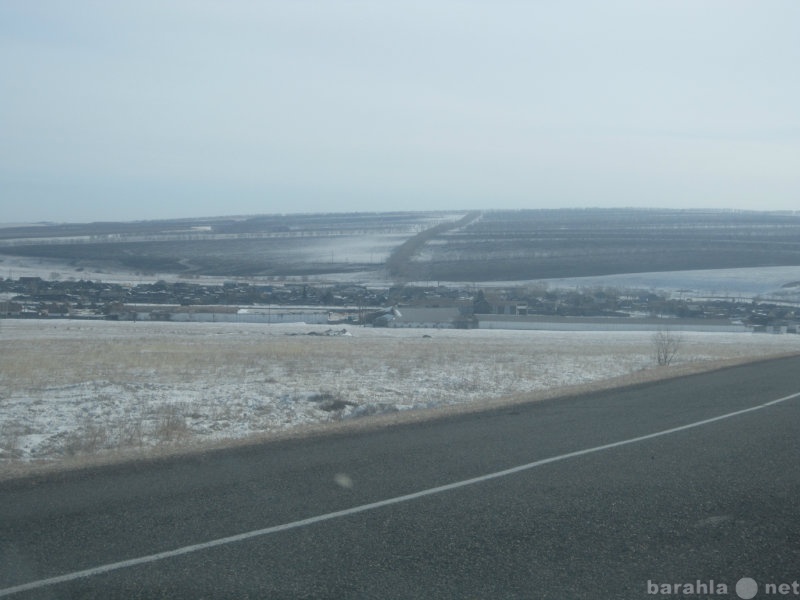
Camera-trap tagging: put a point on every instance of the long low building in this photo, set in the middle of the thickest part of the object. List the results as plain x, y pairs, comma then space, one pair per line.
222, 314
437, 318
605, 323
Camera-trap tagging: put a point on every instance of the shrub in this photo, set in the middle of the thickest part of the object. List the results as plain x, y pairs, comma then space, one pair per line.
666, 345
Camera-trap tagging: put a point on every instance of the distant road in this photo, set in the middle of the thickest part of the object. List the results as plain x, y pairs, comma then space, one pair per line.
602, 495
398, 263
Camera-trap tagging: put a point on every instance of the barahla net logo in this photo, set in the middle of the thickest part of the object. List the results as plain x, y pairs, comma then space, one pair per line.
746, 588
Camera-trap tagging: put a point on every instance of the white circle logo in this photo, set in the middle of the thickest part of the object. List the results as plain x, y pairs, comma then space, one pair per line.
746, 588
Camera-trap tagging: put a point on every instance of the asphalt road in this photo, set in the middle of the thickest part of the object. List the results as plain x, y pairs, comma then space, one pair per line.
718, 501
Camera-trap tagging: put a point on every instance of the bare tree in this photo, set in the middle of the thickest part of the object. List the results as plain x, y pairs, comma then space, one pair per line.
666, 345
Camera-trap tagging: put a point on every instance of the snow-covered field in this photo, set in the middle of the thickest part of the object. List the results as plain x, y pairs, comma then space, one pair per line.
777, 283
73, 388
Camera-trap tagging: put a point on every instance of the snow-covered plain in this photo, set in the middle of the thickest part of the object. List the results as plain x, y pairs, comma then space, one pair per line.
74, 388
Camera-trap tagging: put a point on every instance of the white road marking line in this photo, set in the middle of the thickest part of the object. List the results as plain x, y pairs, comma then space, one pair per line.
371, 506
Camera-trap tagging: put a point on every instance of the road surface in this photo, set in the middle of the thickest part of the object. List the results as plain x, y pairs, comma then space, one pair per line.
603, 495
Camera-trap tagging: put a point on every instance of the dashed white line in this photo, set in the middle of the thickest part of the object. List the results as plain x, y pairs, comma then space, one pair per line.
367, 507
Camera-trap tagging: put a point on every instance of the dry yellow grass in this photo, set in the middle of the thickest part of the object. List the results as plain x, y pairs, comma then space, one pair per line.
105, 391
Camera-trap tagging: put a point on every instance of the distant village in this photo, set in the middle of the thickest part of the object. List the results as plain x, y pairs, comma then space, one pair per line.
521, 307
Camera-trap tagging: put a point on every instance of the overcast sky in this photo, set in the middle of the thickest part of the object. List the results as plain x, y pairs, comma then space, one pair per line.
144, 109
